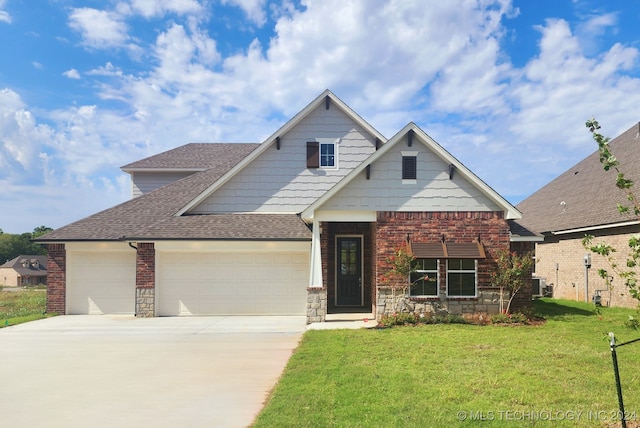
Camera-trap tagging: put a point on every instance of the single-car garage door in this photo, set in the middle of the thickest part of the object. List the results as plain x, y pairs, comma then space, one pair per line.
234, 283
101, 282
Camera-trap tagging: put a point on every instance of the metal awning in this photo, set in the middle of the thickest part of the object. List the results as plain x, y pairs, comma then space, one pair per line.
448, 250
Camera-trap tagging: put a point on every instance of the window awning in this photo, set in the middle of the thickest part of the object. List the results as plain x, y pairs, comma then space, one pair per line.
448, 250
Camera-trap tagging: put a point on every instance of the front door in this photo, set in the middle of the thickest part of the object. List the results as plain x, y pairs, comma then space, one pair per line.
349, 271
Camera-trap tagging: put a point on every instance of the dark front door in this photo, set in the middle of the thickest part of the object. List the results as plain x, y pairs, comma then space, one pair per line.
349, 271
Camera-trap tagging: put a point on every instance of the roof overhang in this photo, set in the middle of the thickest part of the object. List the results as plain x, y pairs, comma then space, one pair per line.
598, 227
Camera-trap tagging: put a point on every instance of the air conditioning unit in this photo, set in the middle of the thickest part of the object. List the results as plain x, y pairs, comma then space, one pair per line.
538, 286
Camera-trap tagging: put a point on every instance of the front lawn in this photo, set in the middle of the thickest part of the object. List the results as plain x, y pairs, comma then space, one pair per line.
21, 306
555, 374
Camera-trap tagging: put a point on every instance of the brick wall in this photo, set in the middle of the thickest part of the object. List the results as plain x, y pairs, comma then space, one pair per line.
145, 279
560, 263
57, 278
491, 228
522, 300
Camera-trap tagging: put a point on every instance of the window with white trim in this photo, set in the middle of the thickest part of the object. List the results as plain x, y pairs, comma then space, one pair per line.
328, 155
462, 277
424, 280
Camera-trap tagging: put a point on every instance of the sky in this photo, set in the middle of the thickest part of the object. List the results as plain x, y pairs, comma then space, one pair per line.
504, 85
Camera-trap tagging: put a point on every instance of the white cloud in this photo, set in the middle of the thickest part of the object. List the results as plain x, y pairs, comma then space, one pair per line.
154, 8
4, 15
72, 74
254, 9
99, 28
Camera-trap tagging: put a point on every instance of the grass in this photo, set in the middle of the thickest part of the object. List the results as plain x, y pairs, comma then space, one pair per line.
438, 375
22, 306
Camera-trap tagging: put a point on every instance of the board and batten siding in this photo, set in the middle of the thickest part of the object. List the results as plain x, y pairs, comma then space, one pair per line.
279, 180
431, 191
145, 182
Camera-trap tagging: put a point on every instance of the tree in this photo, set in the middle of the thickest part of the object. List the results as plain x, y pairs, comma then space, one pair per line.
402, 263
511, 273
13, 245
627, 272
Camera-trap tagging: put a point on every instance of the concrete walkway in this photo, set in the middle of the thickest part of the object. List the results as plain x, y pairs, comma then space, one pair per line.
106, 371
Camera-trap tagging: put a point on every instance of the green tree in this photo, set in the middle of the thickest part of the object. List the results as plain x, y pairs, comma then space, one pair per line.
13, 245
512, 273
628, 271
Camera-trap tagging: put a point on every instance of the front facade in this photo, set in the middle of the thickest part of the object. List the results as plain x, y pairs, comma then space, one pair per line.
24, 271
302, 224
583, 201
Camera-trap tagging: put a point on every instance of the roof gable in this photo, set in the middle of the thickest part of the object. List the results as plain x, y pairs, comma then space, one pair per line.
325, 100
462, 183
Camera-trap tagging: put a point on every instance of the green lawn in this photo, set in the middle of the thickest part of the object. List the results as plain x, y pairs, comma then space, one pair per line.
555, 374
21, 306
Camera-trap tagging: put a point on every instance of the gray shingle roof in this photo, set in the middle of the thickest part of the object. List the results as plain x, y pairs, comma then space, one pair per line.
585, 195
151, 216
194, 156
17, 265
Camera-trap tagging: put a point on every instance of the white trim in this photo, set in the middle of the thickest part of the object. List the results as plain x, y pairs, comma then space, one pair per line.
510, 212
346, 216
600, 227
270, 141
447, 270
315, 262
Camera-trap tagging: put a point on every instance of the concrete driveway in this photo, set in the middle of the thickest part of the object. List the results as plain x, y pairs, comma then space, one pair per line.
109, 371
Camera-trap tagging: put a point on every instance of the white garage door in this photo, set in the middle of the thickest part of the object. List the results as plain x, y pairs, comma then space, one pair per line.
101, 282
232, 283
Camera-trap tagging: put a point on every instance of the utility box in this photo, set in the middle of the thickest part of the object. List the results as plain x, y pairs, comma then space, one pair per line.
587, 261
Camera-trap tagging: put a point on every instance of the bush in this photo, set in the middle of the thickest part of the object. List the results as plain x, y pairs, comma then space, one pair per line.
516, 318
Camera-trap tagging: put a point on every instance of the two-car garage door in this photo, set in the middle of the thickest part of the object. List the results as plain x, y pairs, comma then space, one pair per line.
231, 283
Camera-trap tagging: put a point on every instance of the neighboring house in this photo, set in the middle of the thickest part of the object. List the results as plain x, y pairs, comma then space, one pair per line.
24, 270
301, 224
583, 200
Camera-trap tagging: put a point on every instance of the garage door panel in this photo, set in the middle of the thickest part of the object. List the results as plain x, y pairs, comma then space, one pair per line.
233, 283
101, 283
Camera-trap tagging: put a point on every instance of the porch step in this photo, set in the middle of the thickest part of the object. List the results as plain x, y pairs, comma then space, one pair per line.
346, 320
351, 316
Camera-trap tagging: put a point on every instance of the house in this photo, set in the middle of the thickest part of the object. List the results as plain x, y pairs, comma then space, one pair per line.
583, 201
23, 271
301, 224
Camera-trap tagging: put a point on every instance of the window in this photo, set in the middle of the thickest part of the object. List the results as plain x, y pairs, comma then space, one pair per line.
409, 164
424, 280
461, 277
328, 154
322, 153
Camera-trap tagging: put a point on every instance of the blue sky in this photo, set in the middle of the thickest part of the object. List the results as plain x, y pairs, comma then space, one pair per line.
505, 86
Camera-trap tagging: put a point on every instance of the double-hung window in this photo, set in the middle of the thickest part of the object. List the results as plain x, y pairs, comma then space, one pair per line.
462, 277
424, 280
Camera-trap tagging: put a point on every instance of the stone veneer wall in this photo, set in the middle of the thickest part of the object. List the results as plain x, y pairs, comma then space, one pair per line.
145, 280
488, 301
56, 278
316, 304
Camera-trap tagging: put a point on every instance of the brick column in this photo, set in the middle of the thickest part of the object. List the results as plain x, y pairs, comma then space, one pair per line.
56, 278
145, 280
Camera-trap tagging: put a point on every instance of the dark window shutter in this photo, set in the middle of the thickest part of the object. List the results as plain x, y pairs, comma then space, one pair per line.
313, 154
409, 164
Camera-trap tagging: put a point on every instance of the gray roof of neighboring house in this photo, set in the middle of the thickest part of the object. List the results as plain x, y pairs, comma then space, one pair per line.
585, 195
194, 156
151, 216
17, 265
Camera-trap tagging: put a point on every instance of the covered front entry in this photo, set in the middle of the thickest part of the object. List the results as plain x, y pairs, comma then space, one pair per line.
349, 250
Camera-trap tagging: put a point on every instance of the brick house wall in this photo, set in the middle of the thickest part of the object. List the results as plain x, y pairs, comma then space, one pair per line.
559, 260
145, 279
522, 301
57, 278
491, 228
